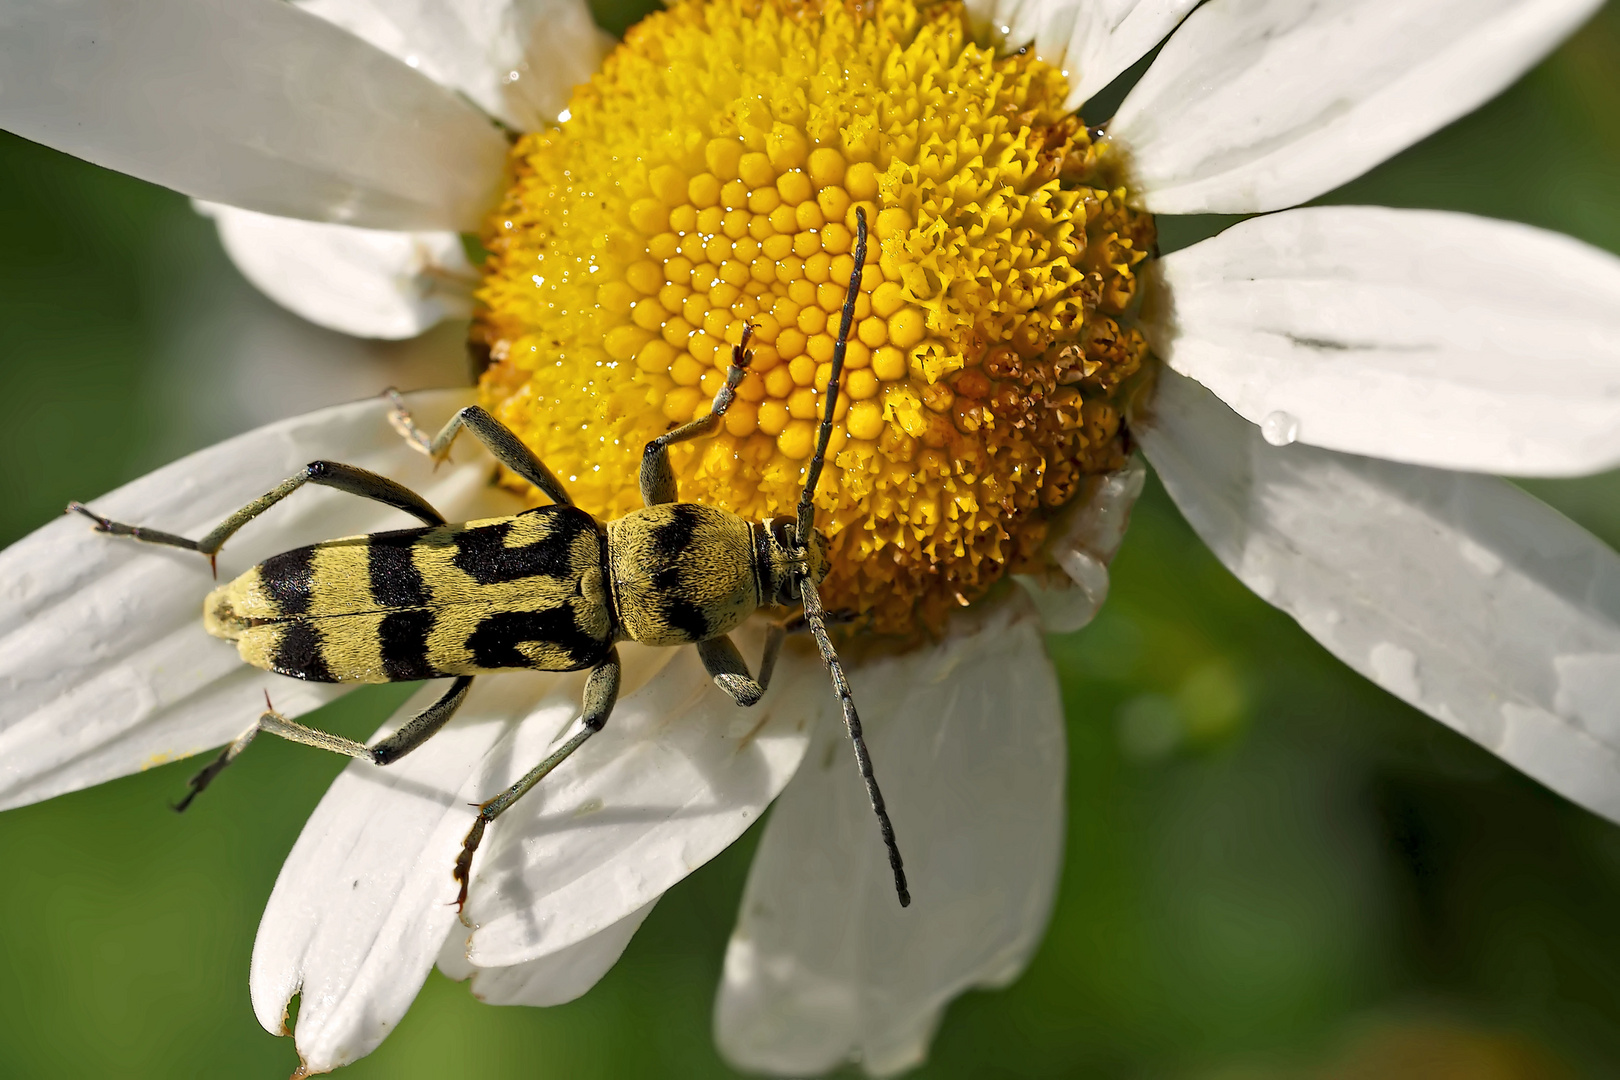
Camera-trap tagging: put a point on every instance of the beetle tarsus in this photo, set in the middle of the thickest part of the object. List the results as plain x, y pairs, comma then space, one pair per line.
102, 525
463, 869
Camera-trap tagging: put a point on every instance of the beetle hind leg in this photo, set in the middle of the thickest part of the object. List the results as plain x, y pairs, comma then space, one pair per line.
411, 734
134, 532
204, 777
333, 474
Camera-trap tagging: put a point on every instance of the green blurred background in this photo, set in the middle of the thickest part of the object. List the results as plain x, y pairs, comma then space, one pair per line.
1274, 869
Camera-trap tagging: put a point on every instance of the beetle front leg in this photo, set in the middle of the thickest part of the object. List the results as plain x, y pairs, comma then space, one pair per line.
601, 691
657, 478
730, 672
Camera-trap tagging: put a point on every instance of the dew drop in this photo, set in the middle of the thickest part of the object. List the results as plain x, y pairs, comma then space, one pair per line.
1280, 428
1484, 560
1396, 670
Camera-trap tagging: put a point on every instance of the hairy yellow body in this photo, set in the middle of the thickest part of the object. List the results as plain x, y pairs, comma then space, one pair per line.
682, 573
494, 595
547, 590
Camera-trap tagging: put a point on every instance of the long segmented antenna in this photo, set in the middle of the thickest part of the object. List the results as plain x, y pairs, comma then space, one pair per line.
817, 618
814, 614
807, 512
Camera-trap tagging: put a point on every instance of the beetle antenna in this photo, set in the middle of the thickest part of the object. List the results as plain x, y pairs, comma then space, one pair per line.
817, 618
814, 614
807, 511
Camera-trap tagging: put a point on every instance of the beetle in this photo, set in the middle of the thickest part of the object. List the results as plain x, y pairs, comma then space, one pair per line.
549, 589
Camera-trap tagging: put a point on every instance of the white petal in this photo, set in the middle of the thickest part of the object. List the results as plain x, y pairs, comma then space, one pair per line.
1082, 544
825, 966
366, 282
554, 979
1260, 104
105, 668
1458, 593
518, 59
1418, 336
364, 902
251, 103
363, 905
678, 773
1093, 41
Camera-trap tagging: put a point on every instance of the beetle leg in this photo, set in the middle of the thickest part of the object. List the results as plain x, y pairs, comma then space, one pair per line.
500, 440
411, 734
423, 726
722, 660
601, 691
657, 478
214, 768
332, 474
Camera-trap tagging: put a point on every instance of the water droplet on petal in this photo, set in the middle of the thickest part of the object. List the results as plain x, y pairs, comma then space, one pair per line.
1396, 670
1280, 428
1484, 560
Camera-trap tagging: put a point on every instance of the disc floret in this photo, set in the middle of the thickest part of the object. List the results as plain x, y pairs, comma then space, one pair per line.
707, 180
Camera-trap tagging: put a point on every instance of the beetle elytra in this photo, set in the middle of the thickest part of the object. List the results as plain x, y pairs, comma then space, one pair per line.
550, 589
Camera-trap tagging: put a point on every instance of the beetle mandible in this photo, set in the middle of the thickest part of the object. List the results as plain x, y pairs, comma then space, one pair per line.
550, 589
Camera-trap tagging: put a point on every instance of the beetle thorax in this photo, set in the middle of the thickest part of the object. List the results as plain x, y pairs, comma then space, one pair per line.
681, 573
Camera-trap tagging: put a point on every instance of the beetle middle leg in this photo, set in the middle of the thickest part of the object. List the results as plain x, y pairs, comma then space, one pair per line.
411, 734
657, 478
333, 474
501, 441
601, 692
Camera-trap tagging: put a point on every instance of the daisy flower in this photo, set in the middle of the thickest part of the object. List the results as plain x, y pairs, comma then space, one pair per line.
1325, 392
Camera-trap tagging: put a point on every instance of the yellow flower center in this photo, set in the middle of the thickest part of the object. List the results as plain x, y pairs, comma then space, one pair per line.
707, 180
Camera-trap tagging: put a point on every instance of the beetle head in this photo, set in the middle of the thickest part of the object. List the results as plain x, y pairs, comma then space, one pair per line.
784, 561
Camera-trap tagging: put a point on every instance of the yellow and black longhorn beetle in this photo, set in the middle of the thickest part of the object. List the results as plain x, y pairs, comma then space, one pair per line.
550, 589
